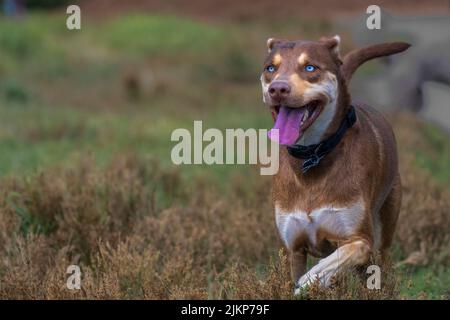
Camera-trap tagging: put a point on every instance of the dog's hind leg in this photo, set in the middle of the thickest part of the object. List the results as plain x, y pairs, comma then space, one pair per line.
352, 254
388, 216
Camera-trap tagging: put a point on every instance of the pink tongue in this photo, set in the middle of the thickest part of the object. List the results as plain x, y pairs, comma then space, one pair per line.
288, 124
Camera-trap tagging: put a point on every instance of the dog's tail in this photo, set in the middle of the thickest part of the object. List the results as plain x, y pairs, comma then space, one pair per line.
355, 58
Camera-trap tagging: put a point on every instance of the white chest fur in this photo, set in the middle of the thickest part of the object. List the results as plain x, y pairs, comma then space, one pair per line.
342, 222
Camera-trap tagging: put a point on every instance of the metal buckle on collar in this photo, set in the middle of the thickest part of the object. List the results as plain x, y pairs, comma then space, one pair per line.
311, 162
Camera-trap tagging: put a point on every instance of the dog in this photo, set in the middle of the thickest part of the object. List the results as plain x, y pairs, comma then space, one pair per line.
337, 193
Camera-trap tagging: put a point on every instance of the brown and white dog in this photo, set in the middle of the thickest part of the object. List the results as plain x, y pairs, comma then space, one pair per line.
346, 206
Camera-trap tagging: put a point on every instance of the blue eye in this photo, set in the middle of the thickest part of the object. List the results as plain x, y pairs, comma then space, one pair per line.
310, 68
270, 69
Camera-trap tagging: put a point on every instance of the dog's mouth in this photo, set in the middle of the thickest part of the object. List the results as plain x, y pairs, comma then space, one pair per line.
293, 122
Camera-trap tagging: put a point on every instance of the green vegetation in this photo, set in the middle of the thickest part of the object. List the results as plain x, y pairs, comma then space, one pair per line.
161, 36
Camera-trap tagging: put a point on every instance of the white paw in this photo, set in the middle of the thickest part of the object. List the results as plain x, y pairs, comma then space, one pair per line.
304, 282
324, 279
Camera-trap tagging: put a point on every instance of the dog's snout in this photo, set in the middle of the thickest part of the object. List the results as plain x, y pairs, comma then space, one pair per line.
279, 90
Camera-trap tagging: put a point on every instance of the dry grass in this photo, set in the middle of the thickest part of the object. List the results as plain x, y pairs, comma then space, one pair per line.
129, 244
140, 231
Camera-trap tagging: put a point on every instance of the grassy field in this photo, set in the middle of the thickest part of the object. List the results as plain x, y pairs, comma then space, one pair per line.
86, 177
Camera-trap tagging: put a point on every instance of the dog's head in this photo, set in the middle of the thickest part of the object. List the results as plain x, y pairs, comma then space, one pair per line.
304, 84
300, 85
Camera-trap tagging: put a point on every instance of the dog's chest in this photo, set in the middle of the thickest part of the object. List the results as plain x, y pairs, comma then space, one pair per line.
337, 222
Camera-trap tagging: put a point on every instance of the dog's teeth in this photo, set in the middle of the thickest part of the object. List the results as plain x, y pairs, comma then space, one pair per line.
306, 115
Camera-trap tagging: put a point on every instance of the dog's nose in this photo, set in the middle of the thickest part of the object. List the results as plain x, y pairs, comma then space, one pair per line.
279, 90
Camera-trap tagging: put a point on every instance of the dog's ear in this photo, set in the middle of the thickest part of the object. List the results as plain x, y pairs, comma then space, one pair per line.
271, 42
333, 45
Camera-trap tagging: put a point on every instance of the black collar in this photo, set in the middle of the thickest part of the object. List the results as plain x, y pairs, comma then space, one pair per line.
313, 153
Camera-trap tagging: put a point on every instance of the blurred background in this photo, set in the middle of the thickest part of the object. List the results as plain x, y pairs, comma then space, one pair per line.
85, 123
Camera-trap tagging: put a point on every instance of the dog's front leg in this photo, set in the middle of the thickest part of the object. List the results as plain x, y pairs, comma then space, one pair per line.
351, 254
298, 264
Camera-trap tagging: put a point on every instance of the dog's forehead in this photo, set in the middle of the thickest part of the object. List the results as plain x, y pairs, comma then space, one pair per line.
298, 50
